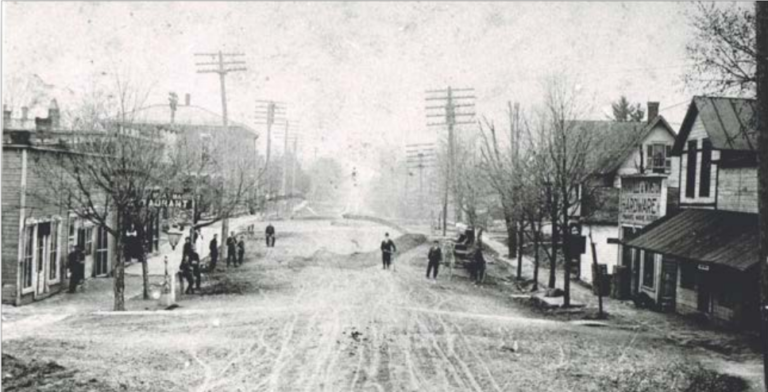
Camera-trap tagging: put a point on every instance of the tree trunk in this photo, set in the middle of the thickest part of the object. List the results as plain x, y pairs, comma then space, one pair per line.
566, 260
762, 103
555, 240
520, 239
511, 229
119, 272
144, 274
536, 241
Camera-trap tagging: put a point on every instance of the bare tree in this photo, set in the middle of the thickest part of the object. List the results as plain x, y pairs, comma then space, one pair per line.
106, 170
723, 48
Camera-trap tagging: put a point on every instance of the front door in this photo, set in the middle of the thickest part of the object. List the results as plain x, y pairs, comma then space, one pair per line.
668, 283
101, 266
704, 292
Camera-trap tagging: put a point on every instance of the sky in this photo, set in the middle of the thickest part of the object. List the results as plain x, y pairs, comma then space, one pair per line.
354, 75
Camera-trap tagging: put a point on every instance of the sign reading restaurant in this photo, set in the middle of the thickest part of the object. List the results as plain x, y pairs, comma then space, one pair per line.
169, 200
642, 200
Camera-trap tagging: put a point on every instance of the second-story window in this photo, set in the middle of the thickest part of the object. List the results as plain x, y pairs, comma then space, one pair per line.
690, 178
658, 158
706, 168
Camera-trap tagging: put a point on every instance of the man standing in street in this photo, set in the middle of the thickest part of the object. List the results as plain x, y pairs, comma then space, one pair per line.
194, 261
435, 256
76, 264
187, 250
240, 251
231, 249
387, 248
479, 262
214, 250
270, 236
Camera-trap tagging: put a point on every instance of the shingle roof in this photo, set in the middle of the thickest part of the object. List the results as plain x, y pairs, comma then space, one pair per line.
731, 123
711, 236
618, 139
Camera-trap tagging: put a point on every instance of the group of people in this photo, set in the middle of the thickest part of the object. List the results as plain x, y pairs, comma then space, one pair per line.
435, 257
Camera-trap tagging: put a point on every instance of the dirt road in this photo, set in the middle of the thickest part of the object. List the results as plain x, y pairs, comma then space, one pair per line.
299, 317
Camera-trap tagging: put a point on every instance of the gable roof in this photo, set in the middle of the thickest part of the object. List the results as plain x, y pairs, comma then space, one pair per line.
619, 139
730, 123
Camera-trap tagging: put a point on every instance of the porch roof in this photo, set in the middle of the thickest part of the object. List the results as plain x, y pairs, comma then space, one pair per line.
724, 238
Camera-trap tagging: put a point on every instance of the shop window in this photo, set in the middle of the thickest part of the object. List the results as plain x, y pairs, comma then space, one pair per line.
706, 168
102, 259
688, 275
53, 266
88, 241
649, 270
690, 178
26, 264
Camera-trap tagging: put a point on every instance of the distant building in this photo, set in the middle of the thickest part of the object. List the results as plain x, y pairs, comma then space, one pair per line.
704, 259
637, 148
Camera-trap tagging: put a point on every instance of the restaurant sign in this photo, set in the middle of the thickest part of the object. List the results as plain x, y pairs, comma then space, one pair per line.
641, 200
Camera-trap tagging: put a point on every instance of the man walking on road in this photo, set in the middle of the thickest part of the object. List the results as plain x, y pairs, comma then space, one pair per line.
214, 248
194, 261
231, 249
435, 256
387, 249
76, 264
270, 236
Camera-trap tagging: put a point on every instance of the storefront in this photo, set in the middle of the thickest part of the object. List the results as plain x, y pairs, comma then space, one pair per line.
708, 263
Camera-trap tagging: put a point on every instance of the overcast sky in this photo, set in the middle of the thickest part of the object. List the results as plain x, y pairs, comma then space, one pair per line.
354, 75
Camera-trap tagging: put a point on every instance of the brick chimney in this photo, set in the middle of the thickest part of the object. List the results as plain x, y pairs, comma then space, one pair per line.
6, 116
187, 99
653, 110
54, 114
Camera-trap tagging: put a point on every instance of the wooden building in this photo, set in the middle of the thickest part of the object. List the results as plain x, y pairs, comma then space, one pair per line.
704, 259
38, 235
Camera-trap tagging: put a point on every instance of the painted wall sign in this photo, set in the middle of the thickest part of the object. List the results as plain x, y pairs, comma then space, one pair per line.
640, 201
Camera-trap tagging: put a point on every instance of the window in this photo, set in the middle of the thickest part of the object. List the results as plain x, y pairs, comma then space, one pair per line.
102, 259
205, 146
72, 236
688, 275
649, 267
668, 159
88, 241
706, 168
690, 184
43, 234
53, 266
26, 263
657, 156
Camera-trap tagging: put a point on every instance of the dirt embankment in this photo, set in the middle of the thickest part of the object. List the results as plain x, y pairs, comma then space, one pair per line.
19, 375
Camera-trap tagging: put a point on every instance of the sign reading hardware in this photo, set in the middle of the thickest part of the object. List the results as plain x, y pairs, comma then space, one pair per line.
640, 201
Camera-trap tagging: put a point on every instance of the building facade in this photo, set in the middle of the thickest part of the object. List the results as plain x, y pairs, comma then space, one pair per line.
640, 148
38, 234
705, 256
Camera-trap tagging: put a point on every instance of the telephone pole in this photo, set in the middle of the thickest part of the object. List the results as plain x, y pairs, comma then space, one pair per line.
448, 111
267, 113
419, 157
761, 20
222, 68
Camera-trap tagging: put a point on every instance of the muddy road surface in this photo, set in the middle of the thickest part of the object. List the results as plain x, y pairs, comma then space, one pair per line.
318, 313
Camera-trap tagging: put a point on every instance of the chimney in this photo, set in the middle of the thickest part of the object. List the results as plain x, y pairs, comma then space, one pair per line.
24, 113
6, 116
54, 115
653, 110
187, 99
